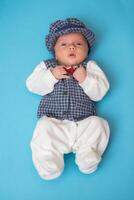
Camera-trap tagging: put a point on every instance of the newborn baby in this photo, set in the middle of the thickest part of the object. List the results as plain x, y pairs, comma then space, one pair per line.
69, 85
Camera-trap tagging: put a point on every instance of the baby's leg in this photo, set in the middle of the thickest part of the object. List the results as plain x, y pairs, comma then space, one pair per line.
48, 145
92, 140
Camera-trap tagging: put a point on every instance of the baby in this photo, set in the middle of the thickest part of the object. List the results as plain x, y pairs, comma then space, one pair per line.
70, 85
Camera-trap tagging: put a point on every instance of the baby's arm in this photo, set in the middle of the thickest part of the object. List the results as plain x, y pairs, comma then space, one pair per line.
96, 84
41, 81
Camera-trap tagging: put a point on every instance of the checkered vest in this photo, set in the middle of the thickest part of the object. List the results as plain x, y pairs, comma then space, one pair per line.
67, 100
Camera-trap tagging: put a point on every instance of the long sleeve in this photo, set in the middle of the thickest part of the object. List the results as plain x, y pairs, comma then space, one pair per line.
41, 81
96, 84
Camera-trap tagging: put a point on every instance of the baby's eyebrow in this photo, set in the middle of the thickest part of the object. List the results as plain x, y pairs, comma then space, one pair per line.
62, 41
78, 40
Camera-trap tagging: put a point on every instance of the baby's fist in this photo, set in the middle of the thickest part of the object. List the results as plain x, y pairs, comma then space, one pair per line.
59, 72
80, 74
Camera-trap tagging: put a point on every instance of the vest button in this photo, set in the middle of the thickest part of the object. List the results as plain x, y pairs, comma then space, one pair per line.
65, 92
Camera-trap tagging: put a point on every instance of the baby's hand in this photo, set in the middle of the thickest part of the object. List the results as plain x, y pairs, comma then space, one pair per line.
80, 74
59, 72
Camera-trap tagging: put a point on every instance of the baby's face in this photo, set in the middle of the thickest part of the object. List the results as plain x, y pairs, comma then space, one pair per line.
71, 49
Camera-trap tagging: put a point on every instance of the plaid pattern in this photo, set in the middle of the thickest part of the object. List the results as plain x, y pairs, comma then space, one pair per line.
67, 100
69, 25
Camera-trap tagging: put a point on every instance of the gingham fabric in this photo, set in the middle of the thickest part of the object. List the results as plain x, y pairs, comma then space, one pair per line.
70, 25
67, 100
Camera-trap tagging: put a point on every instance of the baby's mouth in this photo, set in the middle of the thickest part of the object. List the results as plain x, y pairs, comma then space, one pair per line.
72, 55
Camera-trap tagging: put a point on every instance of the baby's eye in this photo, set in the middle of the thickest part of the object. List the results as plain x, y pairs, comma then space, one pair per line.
63, 44
78, 44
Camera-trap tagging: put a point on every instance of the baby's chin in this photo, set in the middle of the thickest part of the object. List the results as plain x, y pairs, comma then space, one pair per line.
70, 63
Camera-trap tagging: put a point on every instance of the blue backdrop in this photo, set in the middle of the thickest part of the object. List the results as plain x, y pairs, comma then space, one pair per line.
23, 25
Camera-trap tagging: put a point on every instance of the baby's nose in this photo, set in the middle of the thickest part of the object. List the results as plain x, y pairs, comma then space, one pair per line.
72, 46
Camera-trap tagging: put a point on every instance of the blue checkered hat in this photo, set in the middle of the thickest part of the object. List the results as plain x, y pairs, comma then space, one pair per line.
69, 25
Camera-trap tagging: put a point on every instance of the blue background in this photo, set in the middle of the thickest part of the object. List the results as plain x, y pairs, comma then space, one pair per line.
23, 26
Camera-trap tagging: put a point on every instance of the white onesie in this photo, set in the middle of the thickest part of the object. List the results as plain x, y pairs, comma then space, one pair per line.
53, 138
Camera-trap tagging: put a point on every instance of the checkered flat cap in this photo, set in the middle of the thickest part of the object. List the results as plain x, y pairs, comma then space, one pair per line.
69, 25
